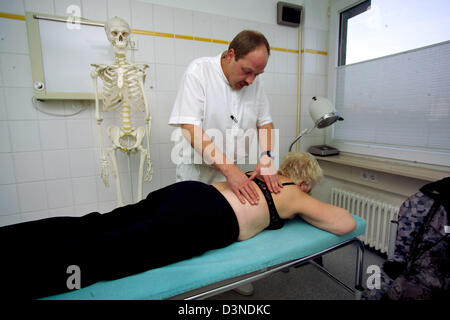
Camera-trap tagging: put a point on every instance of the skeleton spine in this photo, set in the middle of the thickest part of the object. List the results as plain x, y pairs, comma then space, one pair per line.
126, 118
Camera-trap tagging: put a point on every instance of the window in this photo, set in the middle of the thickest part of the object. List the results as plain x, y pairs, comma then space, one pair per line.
392, 80
344, 29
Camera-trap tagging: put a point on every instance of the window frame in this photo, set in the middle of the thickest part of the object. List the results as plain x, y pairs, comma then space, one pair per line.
344, 16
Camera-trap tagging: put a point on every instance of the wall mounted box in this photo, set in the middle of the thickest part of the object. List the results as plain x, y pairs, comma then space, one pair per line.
289, 14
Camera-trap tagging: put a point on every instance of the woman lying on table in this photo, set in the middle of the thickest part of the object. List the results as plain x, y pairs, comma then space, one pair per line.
174, 223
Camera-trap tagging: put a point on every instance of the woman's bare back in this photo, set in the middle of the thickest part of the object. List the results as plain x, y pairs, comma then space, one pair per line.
255, 218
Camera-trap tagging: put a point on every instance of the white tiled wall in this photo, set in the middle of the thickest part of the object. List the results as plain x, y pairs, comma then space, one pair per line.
314, 68
50, 164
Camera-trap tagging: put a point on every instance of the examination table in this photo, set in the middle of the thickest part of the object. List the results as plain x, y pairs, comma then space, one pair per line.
220, 270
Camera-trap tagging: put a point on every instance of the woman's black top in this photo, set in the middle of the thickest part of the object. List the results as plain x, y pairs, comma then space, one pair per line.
275, 220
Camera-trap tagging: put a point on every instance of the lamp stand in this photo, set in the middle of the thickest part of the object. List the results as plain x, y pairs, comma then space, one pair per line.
304, 132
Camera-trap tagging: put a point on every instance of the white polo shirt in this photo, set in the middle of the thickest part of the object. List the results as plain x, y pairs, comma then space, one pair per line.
205, 99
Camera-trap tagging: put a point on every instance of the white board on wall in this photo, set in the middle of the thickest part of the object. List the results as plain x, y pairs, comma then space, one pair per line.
67, 55
61, 55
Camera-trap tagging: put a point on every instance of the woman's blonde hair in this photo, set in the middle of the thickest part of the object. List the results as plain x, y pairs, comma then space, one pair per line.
299, 166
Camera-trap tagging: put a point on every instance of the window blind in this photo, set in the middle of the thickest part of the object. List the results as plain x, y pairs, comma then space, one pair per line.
397, 103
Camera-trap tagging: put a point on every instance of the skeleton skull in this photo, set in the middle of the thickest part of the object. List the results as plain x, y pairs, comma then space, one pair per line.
118, 33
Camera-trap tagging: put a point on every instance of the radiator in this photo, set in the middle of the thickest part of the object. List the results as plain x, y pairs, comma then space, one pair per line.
378, 216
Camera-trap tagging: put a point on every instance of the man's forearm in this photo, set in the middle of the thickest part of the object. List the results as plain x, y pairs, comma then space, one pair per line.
240, 184
203, 144
265, 137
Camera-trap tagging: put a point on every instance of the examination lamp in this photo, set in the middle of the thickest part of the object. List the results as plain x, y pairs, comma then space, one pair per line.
323, 115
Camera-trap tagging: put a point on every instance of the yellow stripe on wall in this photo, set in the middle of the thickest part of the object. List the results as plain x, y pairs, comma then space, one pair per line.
202, 39
179, 36
152, 33
283, 50
12, 16
221, 41
315, 52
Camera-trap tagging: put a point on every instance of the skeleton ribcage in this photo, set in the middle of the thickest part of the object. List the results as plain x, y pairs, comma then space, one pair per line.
130, 93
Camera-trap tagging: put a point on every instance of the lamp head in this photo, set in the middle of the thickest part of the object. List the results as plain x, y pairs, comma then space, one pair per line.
322, 112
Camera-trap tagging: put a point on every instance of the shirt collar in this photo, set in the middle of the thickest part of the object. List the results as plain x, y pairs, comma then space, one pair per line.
220, 70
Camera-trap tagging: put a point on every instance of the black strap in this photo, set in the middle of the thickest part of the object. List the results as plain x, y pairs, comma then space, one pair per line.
275, 220
284, 184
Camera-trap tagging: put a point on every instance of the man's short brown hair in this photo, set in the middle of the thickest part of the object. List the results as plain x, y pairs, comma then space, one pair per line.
247, 41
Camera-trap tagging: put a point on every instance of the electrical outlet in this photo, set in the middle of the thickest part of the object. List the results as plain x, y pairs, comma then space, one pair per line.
368, 176
373, 177
363, 175
134, 44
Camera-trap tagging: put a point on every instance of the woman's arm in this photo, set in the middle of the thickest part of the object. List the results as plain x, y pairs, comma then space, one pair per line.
325, 216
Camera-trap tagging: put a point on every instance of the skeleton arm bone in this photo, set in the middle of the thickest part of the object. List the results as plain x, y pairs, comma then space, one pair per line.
148, 121
104, 162
94, 76
141, 76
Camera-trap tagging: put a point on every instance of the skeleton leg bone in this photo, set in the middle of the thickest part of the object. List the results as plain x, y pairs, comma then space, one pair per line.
112, 154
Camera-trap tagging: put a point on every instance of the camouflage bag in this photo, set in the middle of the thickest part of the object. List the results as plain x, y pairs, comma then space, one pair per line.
420, 267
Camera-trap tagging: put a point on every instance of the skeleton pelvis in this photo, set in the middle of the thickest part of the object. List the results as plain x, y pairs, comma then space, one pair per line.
126, 141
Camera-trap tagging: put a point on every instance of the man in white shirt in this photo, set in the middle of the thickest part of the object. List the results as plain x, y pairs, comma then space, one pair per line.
220, 100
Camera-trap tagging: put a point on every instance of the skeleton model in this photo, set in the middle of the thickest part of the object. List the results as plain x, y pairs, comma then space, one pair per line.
123, 90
